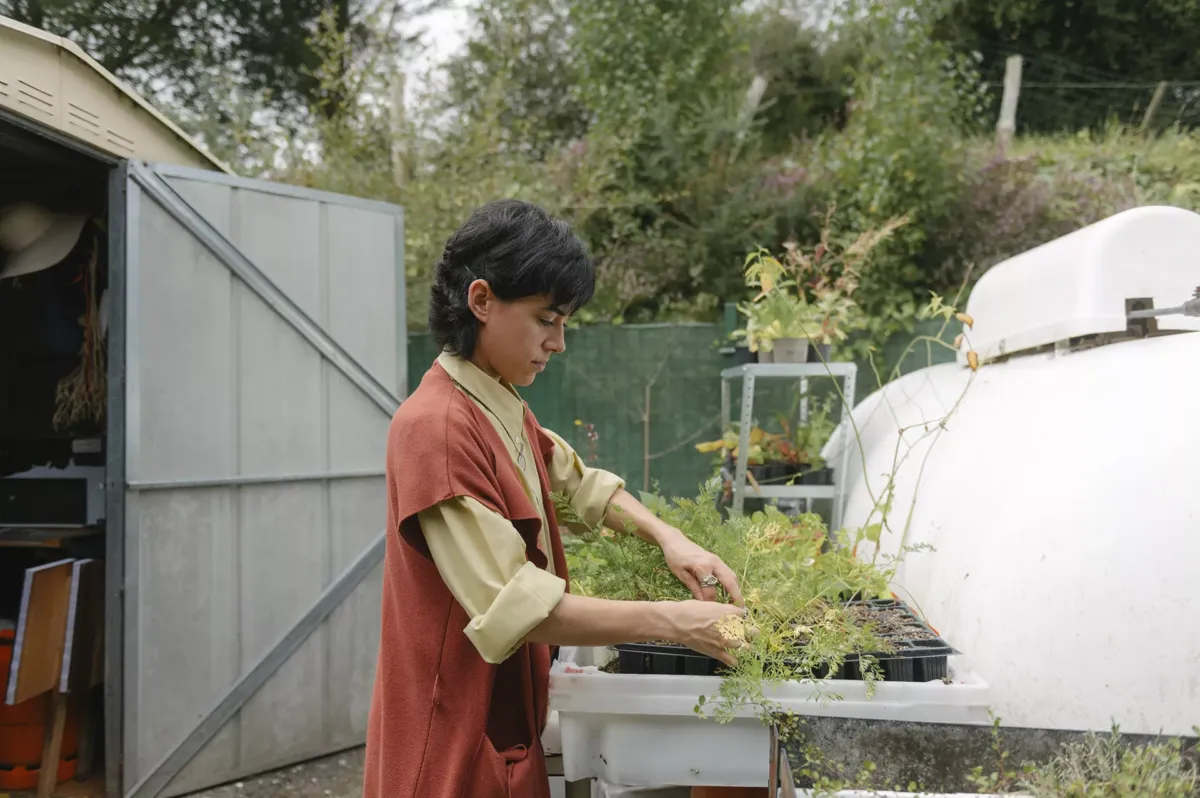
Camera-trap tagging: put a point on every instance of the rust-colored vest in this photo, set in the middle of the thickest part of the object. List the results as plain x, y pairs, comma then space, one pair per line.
444, 723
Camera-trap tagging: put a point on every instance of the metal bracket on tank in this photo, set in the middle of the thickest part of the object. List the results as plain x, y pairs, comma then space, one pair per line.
1189, 308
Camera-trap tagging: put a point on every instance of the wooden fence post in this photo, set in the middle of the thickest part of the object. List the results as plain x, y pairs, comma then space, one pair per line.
1006, 127
1152, 108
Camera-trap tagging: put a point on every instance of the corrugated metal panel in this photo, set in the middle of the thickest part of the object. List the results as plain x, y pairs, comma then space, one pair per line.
222, 387
50, 80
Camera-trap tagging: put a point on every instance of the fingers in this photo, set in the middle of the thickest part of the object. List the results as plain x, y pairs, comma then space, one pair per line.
691, 583
724, 652
707, 592
729, 582
727, 658
719, 653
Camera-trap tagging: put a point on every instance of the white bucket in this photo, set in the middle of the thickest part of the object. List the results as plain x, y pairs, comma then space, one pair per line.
791, 350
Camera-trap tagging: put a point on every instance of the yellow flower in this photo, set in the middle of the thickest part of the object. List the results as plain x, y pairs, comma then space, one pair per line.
578, 423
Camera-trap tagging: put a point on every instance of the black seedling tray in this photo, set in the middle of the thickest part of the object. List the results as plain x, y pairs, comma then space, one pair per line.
665, 659
919, 654
782, 474
821, 476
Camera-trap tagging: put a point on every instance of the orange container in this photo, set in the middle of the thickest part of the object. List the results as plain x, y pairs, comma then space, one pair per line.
23, 731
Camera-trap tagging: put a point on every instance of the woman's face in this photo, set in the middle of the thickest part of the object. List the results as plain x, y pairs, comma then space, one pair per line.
516, 339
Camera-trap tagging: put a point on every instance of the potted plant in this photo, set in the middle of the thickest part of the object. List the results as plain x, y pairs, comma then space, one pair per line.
832, 311
758, 459
806, 299
785, 458
776, 327
808, 440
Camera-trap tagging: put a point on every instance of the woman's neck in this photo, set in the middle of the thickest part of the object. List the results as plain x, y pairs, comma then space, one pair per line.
482, 365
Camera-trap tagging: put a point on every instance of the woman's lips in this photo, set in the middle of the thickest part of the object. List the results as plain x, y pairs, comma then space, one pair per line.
540, 365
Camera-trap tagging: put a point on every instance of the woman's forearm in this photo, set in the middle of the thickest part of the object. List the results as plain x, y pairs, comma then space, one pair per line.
624, 512
699, 625
586, 621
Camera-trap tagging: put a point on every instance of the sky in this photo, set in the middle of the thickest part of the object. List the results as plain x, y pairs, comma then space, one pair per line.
445, 32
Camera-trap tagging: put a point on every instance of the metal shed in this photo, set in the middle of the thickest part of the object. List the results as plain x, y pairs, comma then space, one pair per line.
52, 81
256, 353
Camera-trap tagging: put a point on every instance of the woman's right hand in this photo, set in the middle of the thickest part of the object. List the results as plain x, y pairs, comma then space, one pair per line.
698, 625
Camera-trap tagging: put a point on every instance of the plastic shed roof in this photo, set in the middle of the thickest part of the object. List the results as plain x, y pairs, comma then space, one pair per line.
1077, 285
52, 81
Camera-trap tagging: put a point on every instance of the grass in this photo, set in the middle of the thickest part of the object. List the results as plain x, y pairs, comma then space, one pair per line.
1099, 766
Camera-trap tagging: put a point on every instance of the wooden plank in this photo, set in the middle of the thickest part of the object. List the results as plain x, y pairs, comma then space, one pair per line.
52, 748
45, 538
85, 621
92, 673
85, 754
87, 667
41, 631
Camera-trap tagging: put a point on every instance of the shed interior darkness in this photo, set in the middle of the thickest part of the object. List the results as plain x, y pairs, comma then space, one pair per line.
51, 474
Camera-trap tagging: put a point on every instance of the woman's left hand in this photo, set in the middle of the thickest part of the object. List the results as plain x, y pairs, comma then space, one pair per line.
697, 568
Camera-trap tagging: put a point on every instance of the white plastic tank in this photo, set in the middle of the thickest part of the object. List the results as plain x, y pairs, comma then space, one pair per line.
1062, 498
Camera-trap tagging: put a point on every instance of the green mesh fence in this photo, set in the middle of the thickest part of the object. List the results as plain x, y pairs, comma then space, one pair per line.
651, 392
605, 379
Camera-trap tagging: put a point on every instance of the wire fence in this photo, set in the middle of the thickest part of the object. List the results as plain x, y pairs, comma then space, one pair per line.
1060, 95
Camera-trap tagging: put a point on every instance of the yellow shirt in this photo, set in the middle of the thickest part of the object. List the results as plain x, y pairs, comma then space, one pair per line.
479, 553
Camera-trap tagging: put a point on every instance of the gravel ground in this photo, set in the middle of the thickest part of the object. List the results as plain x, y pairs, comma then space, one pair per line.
337, 776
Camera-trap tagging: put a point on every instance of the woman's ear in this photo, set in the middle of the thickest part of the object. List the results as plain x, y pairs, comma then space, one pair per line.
479, 299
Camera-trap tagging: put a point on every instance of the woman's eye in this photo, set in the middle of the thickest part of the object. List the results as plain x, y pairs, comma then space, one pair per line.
547, 322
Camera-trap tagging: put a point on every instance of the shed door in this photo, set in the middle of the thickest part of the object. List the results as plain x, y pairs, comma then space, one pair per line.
264, 357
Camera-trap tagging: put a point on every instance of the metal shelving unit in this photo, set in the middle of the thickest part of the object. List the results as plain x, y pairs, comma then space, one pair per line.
749, 374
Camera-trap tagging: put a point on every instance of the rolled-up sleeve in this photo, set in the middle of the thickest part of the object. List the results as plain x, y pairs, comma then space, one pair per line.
589, 489
481, 558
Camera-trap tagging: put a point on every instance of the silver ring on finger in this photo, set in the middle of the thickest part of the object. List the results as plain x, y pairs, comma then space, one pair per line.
709, 581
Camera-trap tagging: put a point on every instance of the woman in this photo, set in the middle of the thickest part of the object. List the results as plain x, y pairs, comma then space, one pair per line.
475, 582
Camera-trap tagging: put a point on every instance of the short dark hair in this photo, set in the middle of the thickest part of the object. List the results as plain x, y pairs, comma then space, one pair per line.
521, 251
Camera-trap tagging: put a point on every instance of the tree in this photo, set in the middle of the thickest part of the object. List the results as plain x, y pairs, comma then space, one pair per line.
179, 51
524, 50
633, 57
809, 76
